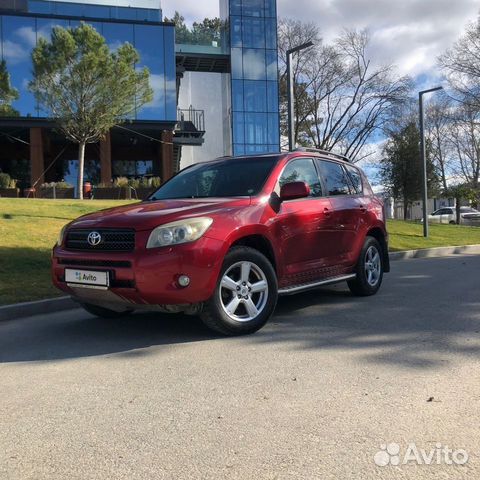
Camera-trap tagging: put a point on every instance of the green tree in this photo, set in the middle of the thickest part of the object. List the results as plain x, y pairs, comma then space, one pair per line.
182, 32
8, 94
400, 168
85, 87
207, 31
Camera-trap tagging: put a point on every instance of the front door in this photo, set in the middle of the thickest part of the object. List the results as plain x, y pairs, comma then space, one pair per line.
303, 227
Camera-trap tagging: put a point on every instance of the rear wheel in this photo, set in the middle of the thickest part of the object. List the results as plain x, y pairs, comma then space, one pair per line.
245, 295
369, 269
103, 312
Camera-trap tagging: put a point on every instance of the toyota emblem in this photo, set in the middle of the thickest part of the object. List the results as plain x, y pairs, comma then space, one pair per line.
94, 239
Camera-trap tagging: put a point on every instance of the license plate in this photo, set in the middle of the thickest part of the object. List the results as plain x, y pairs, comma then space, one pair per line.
87, 278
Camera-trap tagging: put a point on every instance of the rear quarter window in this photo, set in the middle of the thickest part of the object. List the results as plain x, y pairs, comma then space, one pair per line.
334, 178
356, 179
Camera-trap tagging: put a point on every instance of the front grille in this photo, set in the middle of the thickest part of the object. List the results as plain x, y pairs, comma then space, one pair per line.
95, 263
112, 240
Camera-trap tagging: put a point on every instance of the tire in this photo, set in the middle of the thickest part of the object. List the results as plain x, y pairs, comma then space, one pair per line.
369, 269
244, 269
452, 222
103, 312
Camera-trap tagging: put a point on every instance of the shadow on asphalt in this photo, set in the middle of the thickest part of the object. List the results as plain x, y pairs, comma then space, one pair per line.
426, 312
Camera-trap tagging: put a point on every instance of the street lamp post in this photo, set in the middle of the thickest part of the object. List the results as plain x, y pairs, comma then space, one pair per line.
423, 158
291, 93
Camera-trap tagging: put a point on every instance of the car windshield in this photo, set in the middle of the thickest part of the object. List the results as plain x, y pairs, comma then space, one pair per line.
468, 210
233, 177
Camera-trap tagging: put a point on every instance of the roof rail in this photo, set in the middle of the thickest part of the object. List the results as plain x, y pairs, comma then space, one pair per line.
323, 152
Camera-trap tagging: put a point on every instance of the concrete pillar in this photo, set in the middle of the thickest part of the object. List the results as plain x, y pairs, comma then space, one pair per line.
37, 163
166, 149
106, 159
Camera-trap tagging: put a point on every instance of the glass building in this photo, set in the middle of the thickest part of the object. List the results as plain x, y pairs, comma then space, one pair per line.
186, 114
254, 72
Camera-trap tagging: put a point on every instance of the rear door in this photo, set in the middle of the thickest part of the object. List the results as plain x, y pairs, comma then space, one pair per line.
349, 209
303, 226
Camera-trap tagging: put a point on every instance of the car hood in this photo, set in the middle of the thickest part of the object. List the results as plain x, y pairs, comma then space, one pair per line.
150, 214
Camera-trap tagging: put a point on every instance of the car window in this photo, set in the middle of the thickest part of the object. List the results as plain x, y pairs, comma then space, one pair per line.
224, 178
302, 170
356, 178
334, 178
468, 210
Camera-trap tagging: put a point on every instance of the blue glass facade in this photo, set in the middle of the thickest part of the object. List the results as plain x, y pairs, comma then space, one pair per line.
105, 12
154, 41
252, 46
254, 71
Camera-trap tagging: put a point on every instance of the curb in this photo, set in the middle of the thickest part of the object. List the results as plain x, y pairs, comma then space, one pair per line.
51, 305
434, 252
27, 309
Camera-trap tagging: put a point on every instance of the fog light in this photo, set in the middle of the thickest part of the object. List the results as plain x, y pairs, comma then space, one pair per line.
183, 280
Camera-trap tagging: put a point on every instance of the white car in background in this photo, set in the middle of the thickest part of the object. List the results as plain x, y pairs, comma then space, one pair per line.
468, 216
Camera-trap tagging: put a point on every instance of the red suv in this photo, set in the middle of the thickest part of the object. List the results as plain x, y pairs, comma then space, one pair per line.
223, 239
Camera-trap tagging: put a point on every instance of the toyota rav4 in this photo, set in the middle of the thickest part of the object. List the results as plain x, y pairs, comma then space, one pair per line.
223, 239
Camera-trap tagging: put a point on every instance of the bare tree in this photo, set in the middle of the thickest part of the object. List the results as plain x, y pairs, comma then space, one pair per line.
292, 33
464, 139
461, 64
438, 122
343, 100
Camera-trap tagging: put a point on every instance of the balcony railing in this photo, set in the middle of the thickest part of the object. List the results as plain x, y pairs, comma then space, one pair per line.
195, 117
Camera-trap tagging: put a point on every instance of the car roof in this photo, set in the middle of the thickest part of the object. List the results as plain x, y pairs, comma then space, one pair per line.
295, 153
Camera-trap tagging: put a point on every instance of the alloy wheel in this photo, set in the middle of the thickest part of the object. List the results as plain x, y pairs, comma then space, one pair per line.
243, 291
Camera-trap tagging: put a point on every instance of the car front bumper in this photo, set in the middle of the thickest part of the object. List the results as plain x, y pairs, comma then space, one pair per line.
144, 278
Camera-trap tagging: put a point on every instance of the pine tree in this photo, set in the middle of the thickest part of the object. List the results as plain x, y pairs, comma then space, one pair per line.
86, 88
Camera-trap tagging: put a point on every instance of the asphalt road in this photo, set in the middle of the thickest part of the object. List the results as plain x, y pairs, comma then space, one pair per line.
315, 394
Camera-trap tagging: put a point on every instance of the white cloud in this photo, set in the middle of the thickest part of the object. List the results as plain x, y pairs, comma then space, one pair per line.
15, 53
192, 10
163, 90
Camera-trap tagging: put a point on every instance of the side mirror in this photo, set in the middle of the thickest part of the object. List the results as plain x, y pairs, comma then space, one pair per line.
293, 190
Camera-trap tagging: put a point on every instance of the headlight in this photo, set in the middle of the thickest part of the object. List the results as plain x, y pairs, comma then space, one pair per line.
183, 231
61, 235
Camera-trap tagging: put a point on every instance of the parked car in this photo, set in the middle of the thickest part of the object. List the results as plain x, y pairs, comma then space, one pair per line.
468, 216
224, 239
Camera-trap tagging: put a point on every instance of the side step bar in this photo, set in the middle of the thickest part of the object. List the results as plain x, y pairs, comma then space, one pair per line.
308, 286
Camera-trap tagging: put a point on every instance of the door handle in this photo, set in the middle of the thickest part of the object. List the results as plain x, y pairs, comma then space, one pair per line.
363, 208
327, 212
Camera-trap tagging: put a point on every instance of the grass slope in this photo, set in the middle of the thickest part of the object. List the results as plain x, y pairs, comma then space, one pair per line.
28, 231
409, 235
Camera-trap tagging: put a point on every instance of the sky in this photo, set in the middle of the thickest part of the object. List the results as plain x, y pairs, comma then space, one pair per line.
409, 33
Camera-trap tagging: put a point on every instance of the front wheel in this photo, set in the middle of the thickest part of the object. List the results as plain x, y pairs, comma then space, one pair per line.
245, 295
369, 269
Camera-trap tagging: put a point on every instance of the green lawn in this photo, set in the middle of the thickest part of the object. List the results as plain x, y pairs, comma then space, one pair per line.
29, 229
409, 235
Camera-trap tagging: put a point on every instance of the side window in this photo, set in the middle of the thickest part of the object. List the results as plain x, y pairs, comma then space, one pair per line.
356, 178
334, 178
302, 170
